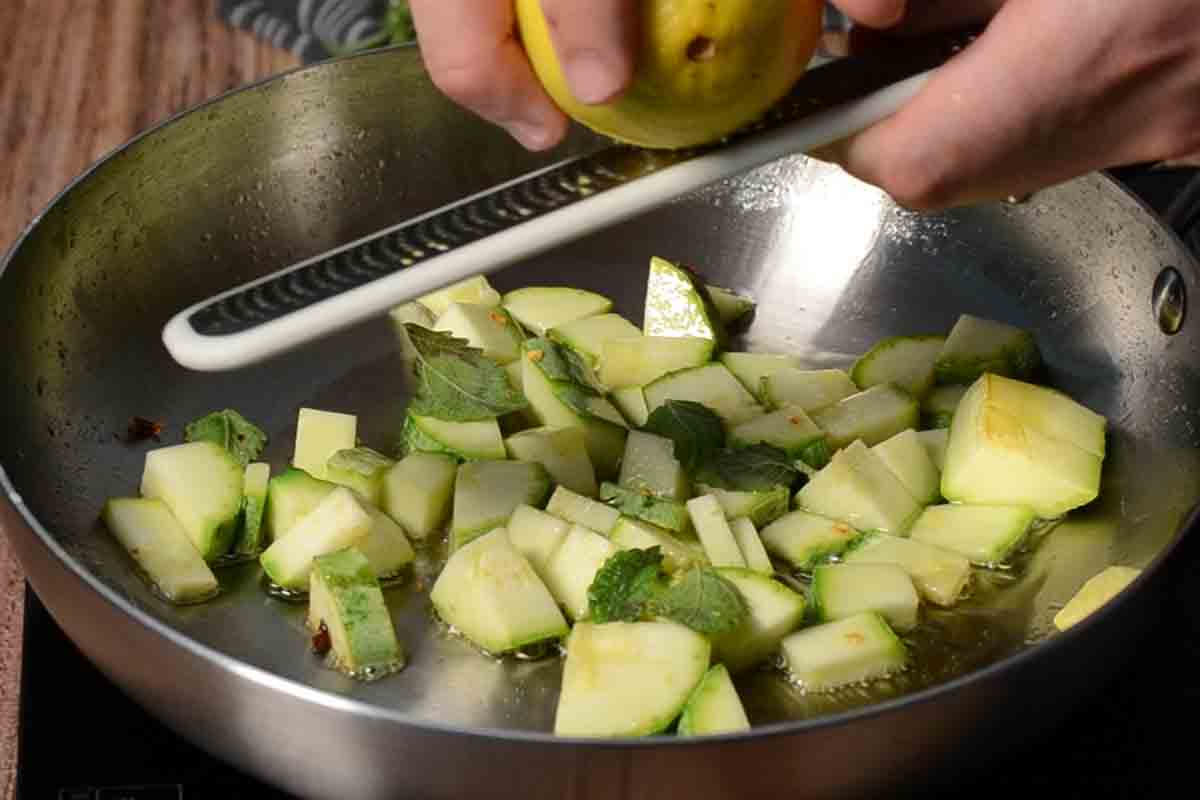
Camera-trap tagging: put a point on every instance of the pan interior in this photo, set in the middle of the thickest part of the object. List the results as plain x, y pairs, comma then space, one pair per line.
296, 165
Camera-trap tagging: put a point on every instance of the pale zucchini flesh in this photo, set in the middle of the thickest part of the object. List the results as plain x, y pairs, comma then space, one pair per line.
418, 492
537, 536
762, 507
977, 346
708, 519
804, 539
987, 535
752, 368
713, 707
490, 594
488, 329
903, 361
748, 541
791, 430
940, 575
587, 336
475, 290
153, 537
938, 407
487, 492
320, 434
290, 496
409, 313
385, 546
202, 485
632, 534
1094, 594
678, 305
774, 611
572, 567
345, 599
858, 489
845, 590
872, 416
640, 360
935, 443
732, 308
467, 441
541, 308
909, 461
712, 385
628, 678
649, 464
337, 522
562, 451
579, 510
361, 469
631, 402
811, 390
255, 483
848, 651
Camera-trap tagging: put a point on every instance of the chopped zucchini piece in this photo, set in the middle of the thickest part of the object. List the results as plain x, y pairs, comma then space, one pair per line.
986, 535
976, 346
290, 496
628, 678
386, 546
908, 460
255, 481
580, 510
490, 594
1050, 412
475, 290
640, 504
572, 567
845, 590
753, 552
761, 507
858, 489
712, 385
805, 540
903, 361
491, 330
939, 574
679, 305
938, 407
466, 441
541, 308
632, 534
587, 336
537, 536
851, 650
361, 469
872, 415
732, 308
418, 491
1094, 594
649, 464
564, 404
402, 315
789, 429
935, 443
775, 611
487, 492
1005, 449
202, 485
812, 390
752, 368
640, 360
713, 707
153, 537
708, 518
337, 522
320, 434
562, 451
345, 599
631, 401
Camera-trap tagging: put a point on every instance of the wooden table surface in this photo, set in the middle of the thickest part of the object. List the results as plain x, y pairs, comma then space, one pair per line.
78, 78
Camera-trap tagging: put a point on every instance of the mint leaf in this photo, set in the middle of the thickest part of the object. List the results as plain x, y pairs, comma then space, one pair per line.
561, 364
642, 505
704, 601
694, 427
457, 382
749, 469
229, 429
624, 585
631, 586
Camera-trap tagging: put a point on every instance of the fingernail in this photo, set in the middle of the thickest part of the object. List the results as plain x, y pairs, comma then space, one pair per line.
593, 80
530, 135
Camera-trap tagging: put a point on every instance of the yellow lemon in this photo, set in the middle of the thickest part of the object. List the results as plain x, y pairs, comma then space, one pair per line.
705, 68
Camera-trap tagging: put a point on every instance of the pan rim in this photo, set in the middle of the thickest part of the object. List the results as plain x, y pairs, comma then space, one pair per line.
265, 679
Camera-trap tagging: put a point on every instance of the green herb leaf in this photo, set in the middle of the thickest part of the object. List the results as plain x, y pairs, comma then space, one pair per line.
561, 364
749, 469
694, 427
457, 382
704, 601
631, 586
242, 438
624, 585
647, 507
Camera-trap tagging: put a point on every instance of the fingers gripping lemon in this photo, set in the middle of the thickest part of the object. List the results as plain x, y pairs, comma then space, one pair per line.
705, 68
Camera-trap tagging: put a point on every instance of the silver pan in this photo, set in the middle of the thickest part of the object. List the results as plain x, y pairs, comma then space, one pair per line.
298, 164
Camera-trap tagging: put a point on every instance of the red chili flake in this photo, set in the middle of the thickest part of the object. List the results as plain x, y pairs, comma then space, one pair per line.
321, 643
141, 429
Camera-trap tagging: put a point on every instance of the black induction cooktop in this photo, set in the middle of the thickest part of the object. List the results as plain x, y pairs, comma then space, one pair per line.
82, 739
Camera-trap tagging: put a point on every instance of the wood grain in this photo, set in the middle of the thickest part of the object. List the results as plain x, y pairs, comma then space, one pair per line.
77, 79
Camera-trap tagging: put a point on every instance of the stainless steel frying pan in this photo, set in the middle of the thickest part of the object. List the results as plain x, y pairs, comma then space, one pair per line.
301, 163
